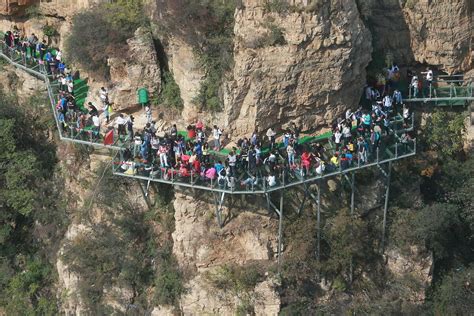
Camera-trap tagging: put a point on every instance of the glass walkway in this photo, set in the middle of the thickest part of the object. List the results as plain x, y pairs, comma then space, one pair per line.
393, 147
445, 90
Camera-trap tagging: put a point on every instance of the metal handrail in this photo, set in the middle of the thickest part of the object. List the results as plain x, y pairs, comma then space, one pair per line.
232, 190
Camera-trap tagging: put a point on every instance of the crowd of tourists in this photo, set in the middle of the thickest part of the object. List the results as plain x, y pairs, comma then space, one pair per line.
76, 121
417, 84
259, 160
196, 154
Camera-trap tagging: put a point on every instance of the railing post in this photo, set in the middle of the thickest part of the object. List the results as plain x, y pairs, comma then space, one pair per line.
396, 150
280, 230
377, 154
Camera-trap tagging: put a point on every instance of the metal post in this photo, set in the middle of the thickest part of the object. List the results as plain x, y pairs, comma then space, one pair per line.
387, 192
351, 266
352, 192
318, 246
145, 195
280, 228
304, 200
219, 204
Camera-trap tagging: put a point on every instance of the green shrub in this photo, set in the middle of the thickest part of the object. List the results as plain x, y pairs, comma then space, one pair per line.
215, 51
275, 35
26, 291
315, 5
170, 94
279, 6
454, 296
236, 279
32, 217
348, 240
101, 32
50, 31
444, 132
33, 11
169, 283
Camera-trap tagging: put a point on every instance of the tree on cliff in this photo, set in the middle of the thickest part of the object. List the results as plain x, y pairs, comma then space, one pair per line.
28, 201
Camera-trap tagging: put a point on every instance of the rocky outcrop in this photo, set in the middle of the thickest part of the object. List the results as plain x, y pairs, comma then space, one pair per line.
21, 84
188, 75
415, 267
201, 246
312, 72
438, 33
140, 69
13, 7
203, 298
68, 281
441, 32
199, 243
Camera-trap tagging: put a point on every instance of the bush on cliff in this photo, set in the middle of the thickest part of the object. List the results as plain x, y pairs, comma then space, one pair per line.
31, 211
102, 32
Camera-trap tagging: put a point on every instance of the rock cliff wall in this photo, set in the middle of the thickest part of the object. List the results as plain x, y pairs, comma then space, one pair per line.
201, 247
13, 7
438, 33
314, 73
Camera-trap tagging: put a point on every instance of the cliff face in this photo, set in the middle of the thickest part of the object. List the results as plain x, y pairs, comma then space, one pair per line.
202, 248
442, 32
140, 70
314, 72
12, 7
438, 33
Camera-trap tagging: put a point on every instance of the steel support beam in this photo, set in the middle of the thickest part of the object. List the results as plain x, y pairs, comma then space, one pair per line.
280, 231
385, 208
219, 202
143, 189
318, 224
352, 182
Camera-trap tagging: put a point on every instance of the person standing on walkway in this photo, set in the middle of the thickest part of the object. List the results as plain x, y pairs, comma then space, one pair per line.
96, 129
271, 137
216, 134
107, 109
291, 155
148, 114
104, 96
429, 79
130, 121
